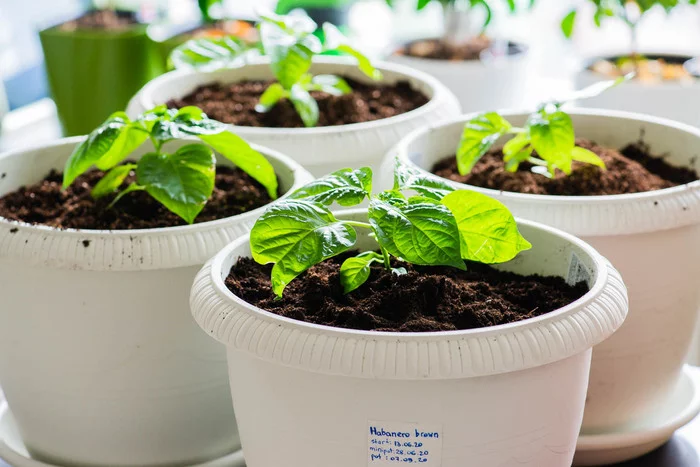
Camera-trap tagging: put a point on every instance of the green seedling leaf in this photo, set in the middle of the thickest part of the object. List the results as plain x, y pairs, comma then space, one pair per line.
589, 157
305, 105
182, 182
290, 51
112, 181
552, 137
296, 234
407, 177
238, 151
479, 135
421, 232
337, 41
272, 95
330, 84
355, 271
487, 230
347, 187
567, 24
209, 54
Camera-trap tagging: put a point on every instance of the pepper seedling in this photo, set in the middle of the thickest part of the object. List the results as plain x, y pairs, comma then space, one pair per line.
183, 180
435, 226
548, 132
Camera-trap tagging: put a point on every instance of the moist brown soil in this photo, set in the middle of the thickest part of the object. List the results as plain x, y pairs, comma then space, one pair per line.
425, 299
46, 203
632, 169
107, 20
235, 103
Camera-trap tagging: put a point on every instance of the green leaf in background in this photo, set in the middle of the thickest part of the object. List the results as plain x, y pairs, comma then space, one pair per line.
589, 157
567, 24
479, 135
407, 177
336, 40
295, 235
347, 187
355, 271
112, 180
422, 4
182, 181
238, 151
552, 135
422, 232
330, 84
272, 95
487, 230
209, 54
305, 105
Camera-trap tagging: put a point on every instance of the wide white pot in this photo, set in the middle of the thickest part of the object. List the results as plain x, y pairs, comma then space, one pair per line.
486, 84
324, 149
511, 395
677, 101
100, 360
653, 238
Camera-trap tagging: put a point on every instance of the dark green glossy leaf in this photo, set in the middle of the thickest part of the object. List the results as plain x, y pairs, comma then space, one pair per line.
479, 135
112, 180
305, 105
347, 187
355, 271
407, 177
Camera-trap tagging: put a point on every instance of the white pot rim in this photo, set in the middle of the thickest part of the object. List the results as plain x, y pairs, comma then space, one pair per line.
584, 322
401, 150
146, 100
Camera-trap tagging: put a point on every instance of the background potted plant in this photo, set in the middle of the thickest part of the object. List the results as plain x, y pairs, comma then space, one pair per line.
665, 82
649, 232
95, 324
405, 329
102, 49
360, 110
483, 72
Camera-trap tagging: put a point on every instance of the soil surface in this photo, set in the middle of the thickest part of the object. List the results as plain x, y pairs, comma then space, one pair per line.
425, 299
235, 103
632, 169
107, 20
437, 49
46, 203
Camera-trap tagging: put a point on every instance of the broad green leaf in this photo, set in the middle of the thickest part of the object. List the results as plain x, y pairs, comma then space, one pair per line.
96, 146
187, 121
335, 40
305, 105
270, 97
421, 232
130, 138
209, 54
407, 177
331, 84
238, 151
567, 24
487, 230
515, 145
355, 271
182, 181
552, 136
589, 157
296, 234
347, 187
112, 180
422, 4
480, 133
290, 52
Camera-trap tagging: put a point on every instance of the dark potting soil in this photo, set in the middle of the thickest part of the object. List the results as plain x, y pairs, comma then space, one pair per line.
108, 20
425, 299
46, 203
437, 49
632, 169
235, 103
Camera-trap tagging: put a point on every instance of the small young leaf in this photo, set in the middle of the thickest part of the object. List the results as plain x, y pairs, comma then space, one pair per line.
305, 105
355, 271
589, 157
290, 52
513, 161
487, 230
421, 232
238, 151
212, 53
553, 138
347, 187
337, 41
270, 97
480, 133
182, 182
296, 234
112, 180
407, 177
131, 137
515, 145
567, 24
331, 84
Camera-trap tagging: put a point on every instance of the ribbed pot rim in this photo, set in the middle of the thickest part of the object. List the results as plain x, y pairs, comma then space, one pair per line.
544, 339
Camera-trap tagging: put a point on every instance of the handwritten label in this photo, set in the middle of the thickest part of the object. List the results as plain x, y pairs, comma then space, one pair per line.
393, 444
577, 271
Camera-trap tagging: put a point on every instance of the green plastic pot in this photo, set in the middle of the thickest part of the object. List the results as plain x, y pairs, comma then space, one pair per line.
93, 73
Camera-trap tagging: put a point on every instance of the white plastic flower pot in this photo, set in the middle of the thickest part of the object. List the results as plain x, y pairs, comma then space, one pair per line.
653, 238
489, 83
321, 150
100, 360
307, 395
668, 99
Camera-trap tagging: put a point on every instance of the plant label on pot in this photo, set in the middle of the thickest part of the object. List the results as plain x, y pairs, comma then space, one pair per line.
398, 443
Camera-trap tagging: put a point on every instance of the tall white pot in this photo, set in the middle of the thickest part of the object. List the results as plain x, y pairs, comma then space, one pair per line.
100, 360
653, 238
674, 100
323, 149
486, 84
316, 396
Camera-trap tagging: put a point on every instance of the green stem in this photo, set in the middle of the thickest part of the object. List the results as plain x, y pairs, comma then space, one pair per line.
156, 143
385, 254
536, 161
127, 190
363, 225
